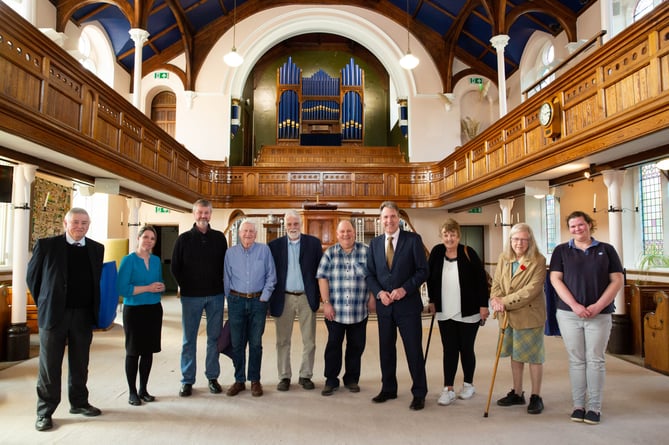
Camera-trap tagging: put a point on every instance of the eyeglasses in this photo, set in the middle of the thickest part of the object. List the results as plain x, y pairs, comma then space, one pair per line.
520, 240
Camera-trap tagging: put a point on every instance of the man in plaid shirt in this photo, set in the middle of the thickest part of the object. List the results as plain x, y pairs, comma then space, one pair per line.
341, 280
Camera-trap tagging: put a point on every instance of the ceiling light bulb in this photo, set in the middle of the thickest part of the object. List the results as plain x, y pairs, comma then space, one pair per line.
409, 61
233, 58
663, 164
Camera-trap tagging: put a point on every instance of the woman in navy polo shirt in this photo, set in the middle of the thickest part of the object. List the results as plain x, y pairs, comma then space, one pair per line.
586, 274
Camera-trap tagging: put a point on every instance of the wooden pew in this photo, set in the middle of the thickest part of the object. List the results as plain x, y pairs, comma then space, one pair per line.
639, 301
656, 335
31, 310
5, 320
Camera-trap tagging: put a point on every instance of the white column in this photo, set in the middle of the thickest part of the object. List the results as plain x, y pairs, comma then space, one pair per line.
190, 96
139, 36
613, 179
499, 42
24, 174
506, 205
606, 16
133, 223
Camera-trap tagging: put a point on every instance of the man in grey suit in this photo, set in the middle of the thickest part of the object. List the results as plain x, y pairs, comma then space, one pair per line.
397, 267
64, 278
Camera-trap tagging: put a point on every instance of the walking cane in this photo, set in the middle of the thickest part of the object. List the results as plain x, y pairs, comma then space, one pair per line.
429, 337
499, 351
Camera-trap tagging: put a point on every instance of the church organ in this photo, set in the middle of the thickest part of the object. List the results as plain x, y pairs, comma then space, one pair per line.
320, 109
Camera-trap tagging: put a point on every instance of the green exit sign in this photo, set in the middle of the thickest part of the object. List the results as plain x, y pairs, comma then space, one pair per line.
475, 210
162, 210
161, 75
476, 80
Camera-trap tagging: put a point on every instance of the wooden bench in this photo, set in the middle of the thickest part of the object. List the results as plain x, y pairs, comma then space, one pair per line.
656, 335
31, 310
639, 301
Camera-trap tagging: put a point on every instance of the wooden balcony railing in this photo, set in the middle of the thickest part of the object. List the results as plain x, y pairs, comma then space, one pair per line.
618, 94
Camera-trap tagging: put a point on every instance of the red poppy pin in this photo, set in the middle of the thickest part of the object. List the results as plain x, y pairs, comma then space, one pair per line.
522, 267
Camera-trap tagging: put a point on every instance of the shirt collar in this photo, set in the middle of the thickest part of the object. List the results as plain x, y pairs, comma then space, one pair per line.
70, 240
394, 235
572, 244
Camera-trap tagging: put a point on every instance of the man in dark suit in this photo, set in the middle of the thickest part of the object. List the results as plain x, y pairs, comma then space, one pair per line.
397, 267
296, 256
64, 278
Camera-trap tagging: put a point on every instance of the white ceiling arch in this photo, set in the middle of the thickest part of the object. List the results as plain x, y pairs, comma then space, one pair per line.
365, 27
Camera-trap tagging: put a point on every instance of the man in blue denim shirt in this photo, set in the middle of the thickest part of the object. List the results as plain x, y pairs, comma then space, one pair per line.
197, 266
250, 278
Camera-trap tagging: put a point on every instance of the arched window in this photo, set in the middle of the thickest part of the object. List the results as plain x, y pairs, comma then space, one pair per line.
85, 53
643, 7
95, 54
164, 111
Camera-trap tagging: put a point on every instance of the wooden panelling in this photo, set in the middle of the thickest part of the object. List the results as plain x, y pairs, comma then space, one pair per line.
582, 115
63, 108
620, 92
20, 85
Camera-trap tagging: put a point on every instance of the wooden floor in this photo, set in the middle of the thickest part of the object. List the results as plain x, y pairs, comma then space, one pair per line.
636, 402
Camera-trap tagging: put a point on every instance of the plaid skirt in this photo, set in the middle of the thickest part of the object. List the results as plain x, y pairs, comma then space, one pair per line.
524, 345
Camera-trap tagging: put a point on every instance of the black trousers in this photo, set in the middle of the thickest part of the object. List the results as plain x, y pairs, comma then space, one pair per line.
457, 339
76, 332
356, 338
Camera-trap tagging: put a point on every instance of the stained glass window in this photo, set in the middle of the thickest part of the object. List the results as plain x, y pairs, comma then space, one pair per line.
651, 209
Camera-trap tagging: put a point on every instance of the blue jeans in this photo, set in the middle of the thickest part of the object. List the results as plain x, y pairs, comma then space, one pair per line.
247, 324
585, 340
191, 314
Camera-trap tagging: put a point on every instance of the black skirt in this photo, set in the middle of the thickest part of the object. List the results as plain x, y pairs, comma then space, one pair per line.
142, 325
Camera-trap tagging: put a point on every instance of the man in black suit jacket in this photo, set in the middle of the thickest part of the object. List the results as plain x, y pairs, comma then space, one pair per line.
397, 287
296, 256
64, 278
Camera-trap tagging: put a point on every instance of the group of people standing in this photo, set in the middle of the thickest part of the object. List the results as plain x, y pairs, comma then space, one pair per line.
292, 277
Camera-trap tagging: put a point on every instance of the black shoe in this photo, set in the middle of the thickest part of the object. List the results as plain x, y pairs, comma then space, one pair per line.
43, 423
214, 387
536, 405
512, 399
384, 396
134, 400
591, 418
186, 390
306, 383
417, 403
146, 397
353, 387
87, 410
284, 385
578, 415
328, 390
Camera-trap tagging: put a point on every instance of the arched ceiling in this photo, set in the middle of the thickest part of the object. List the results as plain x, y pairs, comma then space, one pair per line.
448, 29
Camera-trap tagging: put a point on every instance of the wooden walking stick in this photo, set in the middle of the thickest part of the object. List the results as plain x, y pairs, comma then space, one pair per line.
429, 337
499, 351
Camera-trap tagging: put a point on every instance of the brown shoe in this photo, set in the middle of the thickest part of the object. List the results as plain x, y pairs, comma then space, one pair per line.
236, 388
256, 389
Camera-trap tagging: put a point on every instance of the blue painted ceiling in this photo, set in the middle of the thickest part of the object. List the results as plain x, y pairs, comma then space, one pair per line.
172, 24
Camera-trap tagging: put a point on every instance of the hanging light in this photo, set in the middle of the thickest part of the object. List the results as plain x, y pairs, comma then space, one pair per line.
409, 61
233, 58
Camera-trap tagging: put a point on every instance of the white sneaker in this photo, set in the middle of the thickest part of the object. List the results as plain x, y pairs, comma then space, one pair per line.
446, 397
467, 391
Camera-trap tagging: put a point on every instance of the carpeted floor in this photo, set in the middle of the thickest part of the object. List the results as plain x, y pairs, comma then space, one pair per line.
636, 402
